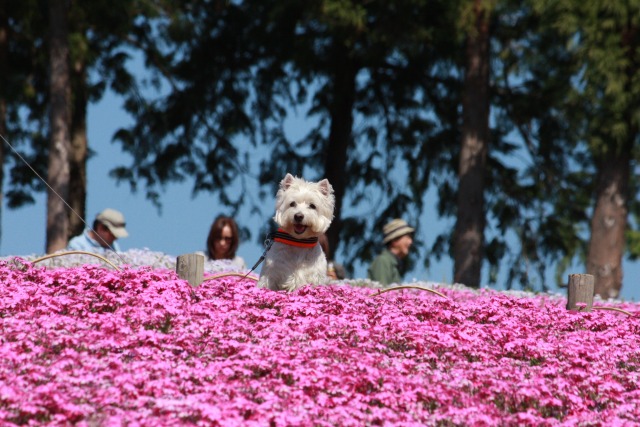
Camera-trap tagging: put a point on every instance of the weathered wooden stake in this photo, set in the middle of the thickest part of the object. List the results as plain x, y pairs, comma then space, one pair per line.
580, 291
190, 267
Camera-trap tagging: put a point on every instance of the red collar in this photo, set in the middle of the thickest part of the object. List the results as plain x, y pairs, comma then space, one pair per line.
282, 236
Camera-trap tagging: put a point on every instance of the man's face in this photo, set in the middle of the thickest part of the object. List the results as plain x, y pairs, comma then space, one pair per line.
106, 236
402, 245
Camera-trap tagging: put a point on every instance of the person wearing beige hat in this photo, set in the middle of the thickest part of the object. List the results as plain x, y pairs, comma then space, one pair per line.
388, 267
108, 226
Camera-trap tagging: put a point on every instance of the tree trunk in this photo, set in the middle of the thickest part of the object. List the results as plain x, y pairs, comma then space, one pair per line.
609, 220
469, 230
78, 161
340, 135
4, 48
60, 143
608, 224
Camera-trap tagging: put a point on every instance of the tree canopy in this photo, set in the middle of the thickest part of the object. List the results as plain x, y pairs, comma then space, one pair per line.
381, 89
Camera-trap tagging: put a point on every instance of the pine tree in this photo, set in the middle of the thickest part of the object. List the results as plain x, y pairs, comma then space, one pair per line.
60, 143
605, 38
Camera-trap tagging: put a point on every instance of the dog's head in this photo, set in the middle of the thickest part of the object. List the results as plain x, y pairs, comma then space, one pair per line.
304, 209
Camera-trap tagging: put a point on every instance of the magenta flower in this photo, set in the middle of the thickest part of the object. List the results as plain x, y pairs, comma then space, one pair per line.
91, 346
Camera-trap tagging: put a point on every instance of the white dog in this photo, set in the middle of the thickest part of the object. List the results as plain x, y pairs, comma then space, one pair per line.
304, 210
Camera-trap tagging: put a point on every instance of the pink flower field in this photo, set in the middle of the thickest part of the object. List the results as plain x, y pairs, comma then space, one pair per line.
94, 346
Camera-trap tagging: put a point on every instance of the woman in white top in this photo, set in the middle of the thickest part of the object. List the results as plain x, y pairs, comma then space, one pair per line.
223, 241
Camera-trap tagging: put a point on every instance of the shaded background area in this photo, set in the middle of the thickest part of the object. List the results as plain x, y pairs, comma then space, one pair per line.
183, 223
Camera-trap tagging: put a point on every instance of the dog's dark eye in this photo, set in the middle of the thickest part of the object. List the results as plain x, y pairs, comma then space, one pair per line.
312, 206
292, 204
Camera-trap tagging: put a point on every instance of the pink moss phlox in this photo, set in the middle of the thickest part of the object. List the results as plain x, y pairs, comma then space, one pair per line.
93, 346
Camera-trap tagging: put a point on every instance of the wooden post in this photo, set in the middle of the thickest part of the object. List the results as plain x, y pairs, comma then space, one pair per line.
190, 267
580, 291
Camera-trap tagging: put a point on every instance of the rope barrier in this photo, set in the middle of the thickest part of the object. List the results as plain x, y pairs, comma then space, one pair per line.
219, 275
395, 288
619, 310
75, 252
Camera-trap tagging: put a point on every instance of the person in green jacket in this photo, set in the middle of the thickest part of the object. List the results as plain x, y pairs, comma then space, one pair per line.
388, 267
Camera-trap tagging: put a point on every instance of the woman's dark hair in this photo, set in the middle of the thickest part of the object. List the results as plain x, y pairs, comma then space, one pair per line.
216, 232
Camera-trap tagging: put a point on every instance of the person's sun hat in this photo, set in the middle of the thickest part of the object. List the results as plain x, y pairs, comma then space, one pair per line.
394, 229
114, 221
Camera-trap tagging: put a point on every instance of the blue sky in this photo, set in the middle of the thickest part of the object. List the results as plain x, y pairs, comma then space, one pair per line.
182, 225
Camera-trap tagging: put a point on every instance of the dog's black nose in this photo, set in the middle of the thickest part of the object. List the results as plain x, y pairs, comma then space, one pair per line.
298, 217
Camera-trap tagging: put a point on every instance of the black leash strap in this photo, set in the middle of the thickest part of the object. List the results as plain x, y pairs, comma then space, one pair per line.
267, 245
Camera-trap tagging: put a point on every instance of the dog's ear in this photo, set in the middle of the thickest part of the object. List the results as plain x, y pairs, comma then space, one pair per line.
325, 188
287, 181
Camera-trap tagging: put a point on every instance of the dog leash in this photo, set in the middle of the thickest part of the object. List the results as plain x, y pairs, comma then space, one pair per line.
267, 245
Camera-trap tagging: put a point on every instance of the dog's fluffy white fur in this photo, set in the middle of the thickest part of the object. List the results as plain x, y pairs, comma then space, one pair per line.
303, 209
